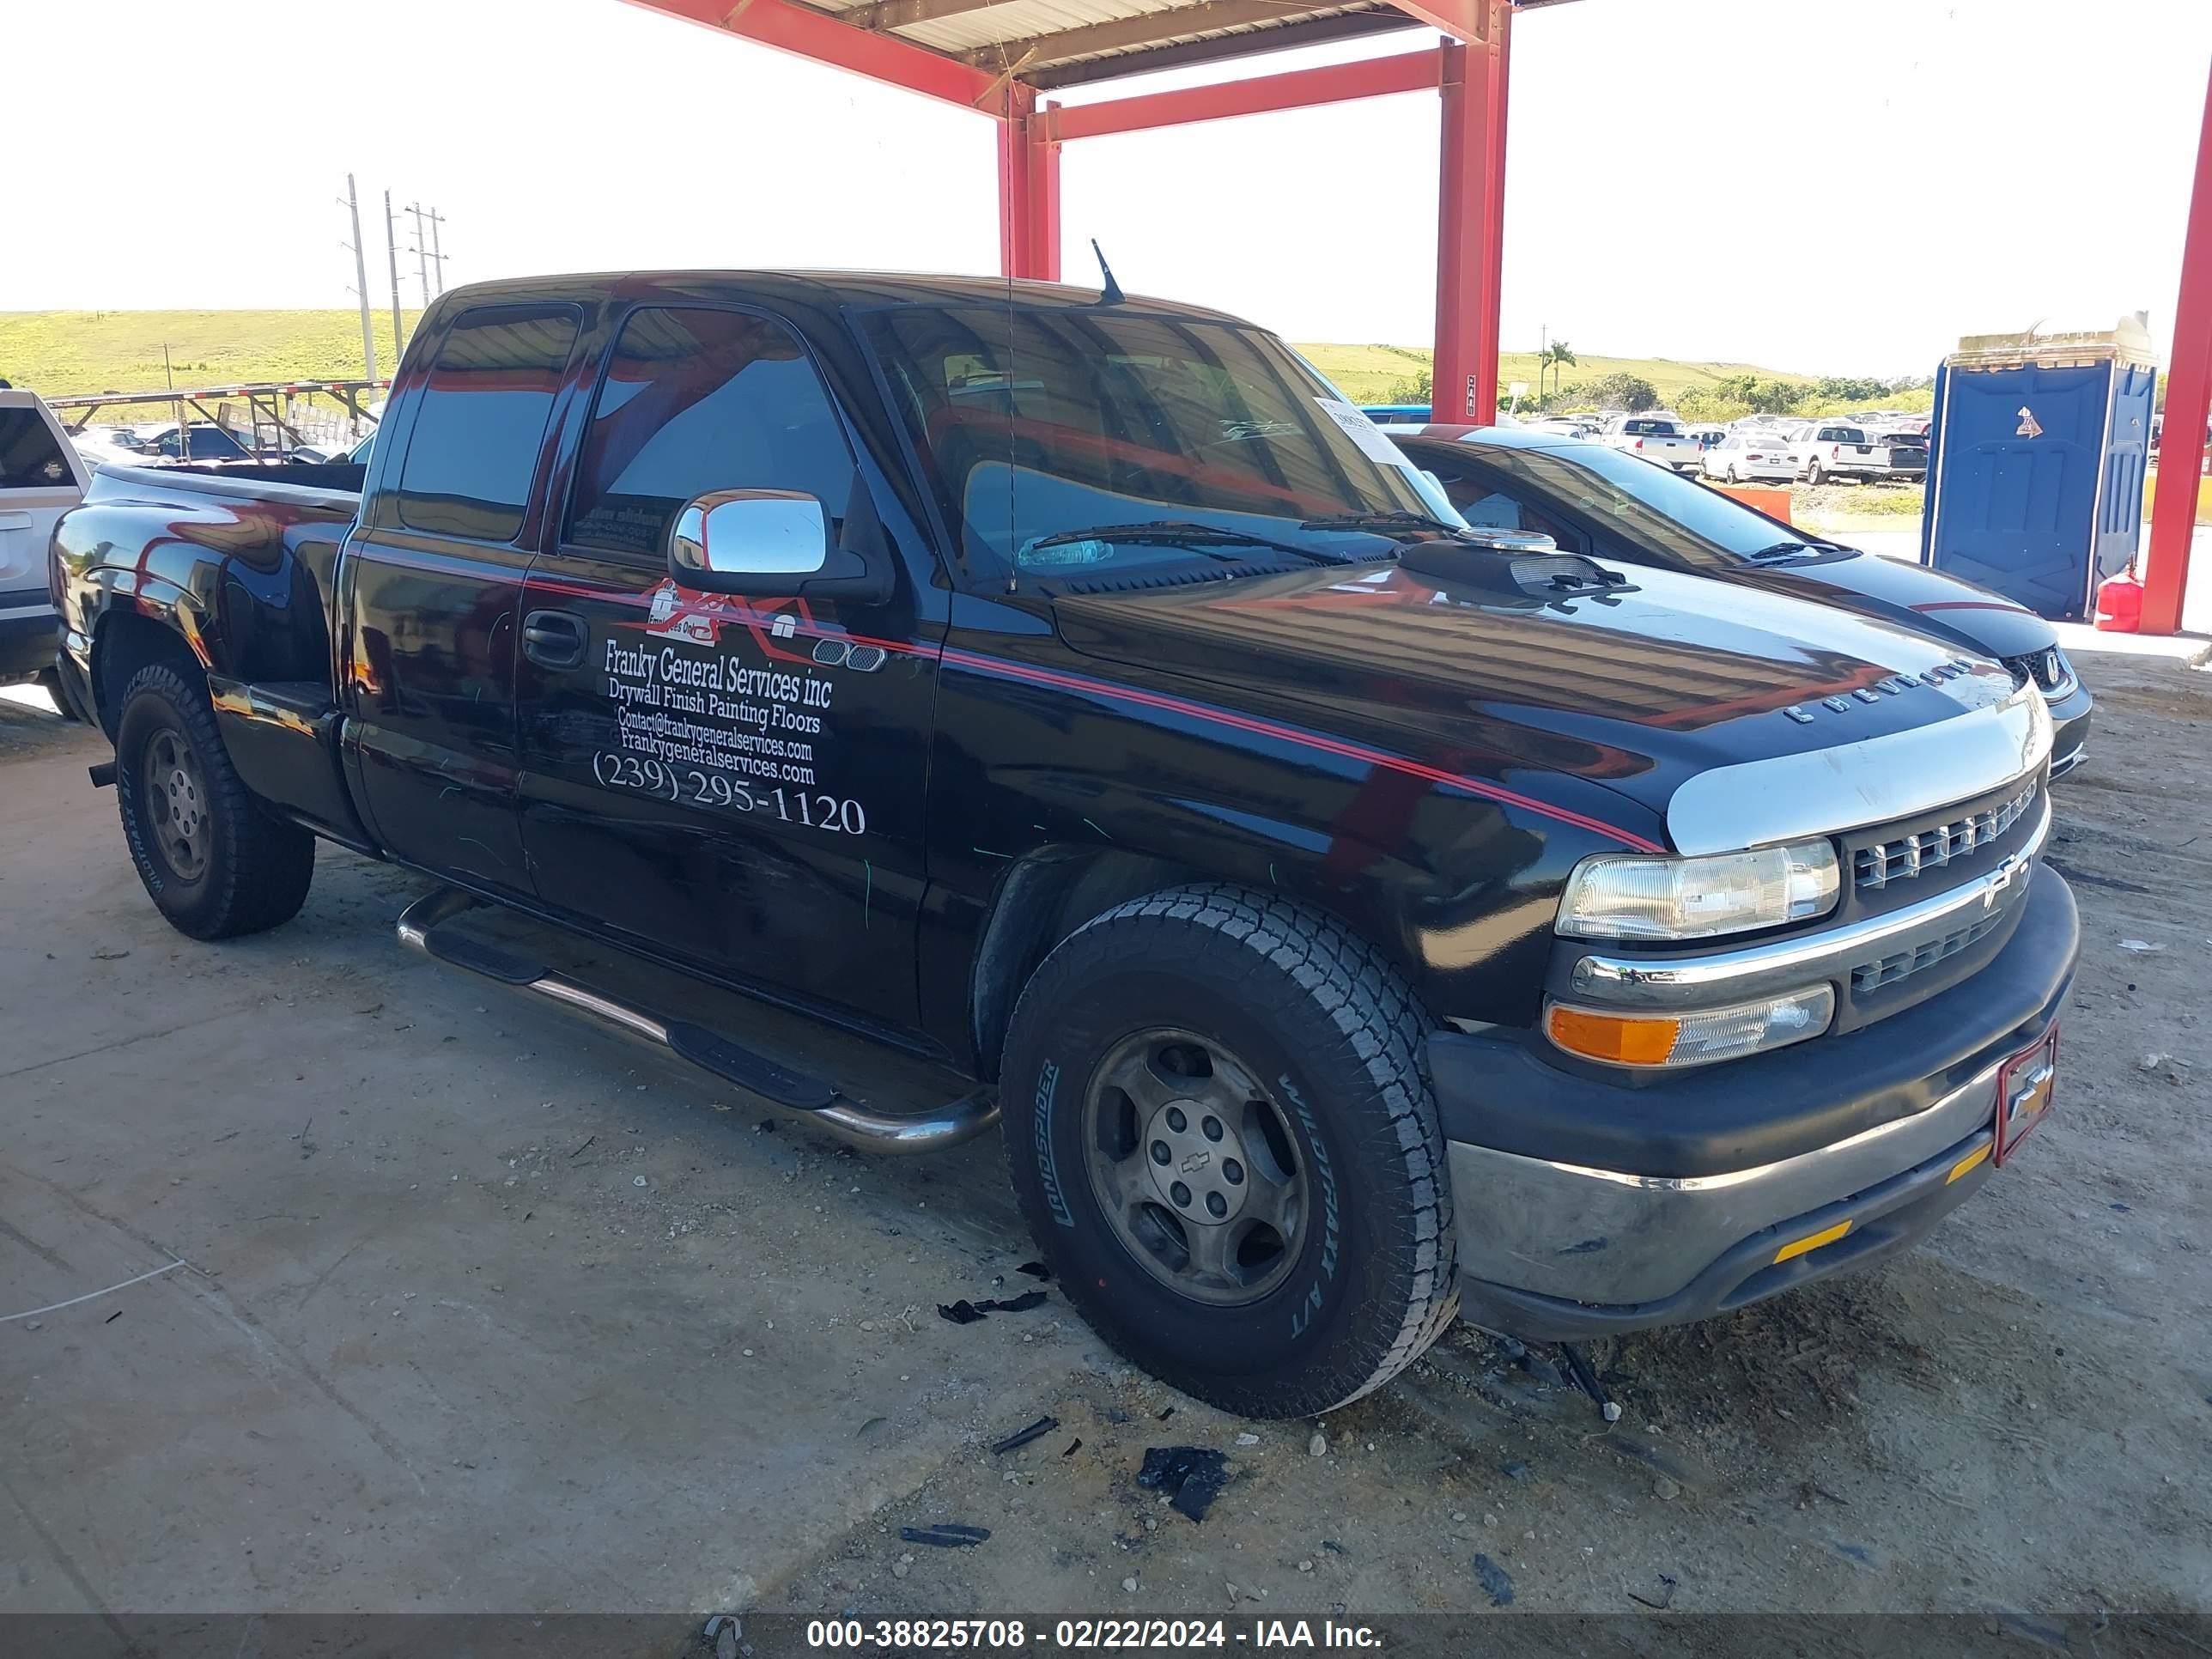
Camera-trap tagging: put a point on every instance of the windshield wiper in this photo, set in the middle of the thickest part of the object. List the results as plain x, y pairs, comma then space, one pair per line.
1399, 518
1181, 532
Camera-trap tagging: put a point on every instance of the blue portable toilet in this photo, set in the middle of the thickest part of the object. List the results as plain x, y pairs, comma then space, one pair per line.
2037, 452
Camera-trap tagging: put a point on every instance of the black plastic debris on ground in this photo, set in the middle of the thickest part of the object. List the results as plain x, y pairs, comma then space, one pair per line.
1193, 1475
1020, 1437
1034, 1270
964, 1312
1497, 1584
946, 1536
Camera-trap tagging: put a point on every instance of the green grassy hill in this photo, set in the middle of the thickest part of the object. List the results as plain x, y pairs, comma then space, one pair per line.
63, 353
66, 353
1367, 372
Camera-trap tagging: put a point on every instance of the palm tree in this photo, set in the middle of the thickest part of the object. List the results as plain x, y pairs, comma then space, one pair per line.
1554, 356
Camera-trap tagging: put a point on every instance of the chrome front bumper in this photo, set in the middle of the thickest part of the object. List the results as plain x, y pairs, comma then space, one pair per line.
1599, 1236
1587, 1204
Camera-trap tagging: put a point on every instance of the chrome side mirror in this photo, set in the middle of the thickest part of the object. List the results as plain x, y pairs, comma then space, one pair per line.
741, 541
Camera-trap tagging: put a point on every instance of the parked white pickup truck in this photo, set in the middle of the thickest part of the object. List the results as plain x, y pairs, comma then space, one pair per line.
1655, 438
1830, 449
41, 477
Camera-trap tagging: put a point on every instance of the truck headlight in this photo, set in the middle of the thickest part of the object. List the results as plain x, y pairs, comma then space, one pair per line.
1696, 1038
1635, 896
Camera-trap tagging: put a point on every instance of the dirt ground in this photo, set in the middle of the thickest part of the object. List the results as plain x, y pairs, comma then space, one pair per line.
485, 1310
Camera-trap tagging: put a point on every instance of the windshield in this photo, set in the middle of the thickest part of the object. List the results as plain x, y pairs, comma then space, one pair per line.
1650, 428
1035, 425
1650, 504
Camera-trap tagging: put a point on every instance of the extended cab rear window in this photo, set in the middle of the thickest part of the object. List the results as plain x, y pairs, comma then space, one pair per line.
30, 455
481, 421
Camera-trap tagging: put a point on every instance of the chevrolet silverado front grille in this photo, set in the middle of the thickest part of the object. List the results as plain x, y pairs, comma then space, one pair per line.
1901, 964
1875, 867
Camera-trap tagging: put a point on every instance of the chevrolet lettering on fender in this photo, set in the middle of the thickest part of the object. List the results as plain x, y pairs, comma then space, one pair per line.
1361, 918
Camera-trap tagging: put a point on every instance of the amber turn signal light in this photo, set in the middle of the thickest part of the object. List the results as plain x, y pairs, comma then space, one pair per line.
1622, 1039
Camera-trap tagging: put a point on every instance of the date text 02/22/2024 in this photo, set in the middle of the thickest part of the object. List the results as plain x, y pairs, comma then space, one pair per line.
1085, 1635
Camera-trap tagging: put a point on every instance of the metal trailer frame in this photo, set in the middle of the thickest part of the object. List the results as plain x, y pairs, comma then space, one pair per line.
888, 41
264, 400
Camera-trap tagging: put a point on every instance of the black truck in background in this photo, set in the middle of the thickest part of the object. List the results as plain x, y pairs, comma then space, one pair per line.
1358, 919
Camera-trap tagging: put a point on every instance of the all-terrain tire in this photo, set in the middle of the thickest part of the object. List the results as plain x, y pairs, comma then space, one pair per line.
1326, 1025
256, 867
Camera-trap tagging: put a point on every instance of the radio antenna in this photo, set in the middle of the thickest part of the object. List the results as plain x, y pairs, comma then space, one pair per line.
1110, 292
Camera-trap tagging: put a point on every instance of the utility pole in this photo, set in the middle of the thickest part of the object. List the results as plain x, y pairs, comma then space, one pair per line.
1543, 355
422, 258
423, 253
391, 248
437, 254
361, 281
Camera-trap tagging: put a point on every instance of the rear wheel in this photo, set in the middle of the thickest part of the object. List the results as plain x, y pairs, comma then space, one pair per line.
1220, 1134
1734, 476
215, 862
1814, 473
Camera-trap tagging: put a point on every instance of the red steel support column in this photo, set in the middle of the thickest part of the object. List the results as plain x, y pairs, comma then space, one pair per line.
1492, 296
1029, 191
2187, 393
1470, 204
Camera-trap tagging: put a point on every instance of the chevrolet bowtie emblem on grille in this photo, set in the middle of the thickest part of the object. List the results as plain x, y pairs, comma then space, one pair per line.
2000, 878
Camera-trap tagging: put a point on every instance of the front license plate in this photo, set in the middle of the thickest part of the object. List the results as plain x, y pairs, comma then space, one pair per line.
2024, 1087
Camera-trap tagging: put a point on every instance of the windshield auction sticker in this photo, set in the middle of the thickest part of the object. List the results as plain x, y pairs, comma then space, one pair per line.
722, 705
1363, 432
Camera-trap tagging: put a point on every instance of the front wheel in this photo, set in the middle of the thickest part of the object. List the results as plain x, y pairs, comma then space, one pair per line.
216, 862
1221, 1135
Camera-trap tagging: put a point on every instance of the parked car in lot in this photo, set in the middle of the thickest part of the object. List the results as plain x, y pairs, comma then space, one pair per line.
1908, 453
1590, 502
1357, 918
1829, 449
1748, 457
41, 477
1659, 440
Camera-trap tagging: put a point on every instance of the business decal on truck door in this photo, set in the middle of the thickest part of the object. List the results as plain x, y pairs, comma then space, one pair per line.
720, 703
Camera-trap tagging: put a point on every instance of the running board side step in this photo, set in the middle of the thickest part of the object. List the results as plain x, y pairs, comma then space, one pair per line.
421, 926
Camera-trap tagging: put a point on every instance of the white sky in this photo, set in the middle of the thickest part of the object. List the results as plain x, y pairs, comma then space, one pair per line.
1923, 169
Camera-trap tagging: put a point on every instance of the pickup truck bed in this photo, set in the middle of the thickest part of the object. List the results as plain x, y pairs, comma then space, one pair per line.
1352, 916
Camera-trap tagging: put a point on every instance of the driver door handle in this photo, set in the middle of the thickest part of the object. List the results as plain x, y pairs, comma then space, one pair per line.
554, 639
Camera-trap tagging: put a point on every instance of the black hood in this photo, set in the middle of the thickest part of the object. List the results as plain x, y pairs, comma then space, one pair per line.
1914, 596
1635, 690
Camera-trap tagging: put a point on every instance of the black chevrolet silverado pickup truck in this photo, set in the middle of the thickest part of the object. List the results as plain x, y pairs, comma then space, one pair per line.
1358, 917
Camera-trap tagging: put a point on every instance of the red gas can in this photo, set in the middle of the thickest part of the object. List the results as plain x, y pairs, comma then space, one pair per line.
2119, 605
